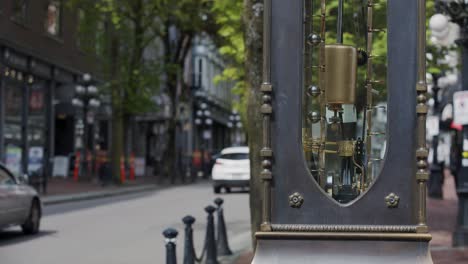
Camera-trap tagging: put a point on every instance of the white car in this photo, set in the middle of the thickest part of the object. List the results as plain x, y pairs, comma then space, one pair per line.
19, 204
232, 169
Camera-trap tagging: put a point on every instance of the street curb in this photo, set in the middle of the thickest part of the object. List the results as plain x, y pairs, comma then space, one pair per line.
58, 199
241, 244
232, 259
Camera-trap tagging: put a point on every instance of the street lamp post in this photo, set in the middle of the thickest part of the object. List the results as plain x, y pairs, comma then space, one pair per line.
204, 121
235, 124
458, 12
86, 94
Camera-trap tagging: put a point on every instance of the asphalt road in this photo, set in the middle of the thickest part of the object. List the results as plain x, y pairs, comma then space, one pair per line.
123, 230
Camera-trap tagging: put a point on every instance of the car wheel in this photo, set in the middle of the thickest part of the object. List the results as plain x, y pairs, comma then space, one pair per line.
217, 189
31, 226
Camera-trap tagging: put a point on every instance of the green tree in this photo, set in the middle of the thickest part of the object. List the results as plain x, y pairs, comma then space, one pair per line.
240, 39
188, 18
253, 23
131, 28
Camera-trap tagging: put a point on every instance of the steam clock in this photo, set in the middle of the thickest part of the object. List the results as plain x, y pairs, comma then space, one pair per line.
344, 157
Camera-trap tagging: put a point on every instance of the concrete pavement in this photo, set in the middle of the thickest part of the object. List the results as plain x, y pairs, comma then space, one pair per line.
127, 231
73, 197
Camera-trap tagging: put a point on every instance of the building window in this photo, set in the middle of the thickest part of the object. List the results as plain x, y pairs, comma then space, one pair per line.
83, 34
20, 8
53, 19
90, 32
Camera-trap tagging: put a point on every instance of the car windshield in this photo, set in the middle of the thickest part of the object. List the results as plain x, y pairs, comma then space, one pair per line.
235, 156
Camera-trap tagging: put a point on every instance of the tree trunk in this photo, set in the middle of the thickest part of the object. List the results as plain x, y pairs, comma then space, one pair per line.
253, 21
174, 63
117, 114
134, 71
169, 158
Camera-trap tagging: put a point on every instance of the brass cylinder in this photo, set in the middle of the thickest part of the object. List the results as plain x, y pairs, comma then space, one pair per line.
340, 74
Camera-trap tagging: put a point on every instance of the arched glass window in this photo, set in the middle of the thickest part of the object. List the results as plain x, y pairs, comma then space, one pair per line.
344, 94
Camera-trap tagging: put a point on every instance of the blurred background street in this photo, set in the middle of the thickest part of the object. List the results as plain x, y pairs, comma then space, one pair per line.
123, 229
123, 116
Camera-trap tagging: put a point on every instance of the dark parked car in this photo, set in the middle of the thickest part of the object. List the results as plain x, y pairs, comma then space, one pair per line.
19, 203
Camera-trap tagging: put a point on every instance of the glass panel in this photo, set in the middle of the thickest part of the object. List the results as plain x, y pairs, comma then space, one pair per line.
235, 156
52, 23
36, 126
5, 178
344, 98
13, 121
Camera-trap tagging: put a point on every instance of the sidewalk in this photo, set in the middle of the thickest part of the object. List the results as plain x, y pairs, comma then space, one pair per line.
60, 190
441, 220
442, 217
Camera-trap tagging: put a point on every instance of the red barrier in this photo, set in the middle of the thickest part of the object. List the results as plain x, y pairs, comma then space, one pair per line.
196, 159
89, 163
76, 169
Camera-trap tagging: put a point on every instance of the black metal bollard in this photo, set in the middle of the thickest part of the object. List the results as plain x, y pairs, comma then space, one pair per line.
170, 234
210, 242
189, 252
221, 239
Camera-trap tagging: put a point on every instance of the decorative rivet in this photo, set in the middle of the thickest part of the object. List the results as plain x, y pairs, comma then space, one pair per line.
266, 98
392, 200
296, 200
313, 91
314, 117
266, 164
421, 98
314, 39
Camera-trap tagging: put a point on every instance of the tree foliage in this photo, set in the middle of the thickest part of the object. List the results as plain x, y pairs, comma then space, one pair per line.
228, 15
142, 45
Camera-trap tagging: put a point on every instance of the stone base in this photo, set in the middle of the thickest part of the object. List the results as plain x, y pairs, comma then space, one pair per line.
297, 249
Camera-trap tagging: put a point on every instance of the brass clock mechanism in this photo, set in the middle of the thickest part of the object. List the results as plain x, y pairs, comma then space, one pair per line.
344, 102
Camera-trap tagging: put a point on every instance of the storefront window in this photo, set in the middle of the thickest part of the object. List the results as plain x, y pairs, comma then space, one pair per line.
53, 19
16, 140
13, 121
